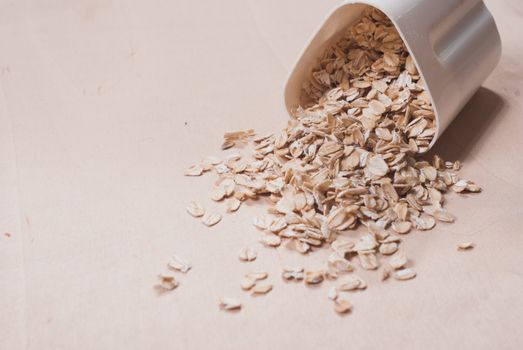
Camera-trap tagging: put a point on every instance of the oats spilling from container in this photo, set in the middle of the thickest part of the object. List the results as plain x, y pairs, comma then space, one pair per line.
348, 160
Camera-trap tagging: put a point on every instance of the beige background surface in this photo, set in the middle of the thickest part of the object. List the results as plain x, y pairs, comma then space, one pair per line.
104, 103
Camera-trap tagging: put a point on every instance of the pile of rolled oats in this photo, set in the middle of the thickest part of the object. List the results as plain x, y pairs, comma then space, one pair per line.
346, 160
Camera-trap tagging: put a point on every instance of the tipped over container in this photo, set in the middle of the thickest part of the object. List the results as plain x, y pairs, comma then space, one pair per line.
455, 45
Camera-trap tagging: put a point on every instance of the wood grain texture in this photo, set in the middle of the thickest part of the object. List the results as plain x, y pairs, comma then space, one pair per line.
104, 104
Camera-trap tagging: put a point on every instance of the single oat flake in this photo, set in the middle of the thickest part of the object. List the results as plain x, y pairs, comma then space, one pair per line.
247, 283
261, 289
402, 226
398, 260
295, 273
211, 219
385, 272
233, 205
405, 274
262, 222
210, 161
218, 193
179, 264
388, 248
466, 246
195, 209
368, 261
247, 254
342, 306
167, 283
270, 240
257, 276
230, 304
313, 277
194, 170
333, 293
352, 283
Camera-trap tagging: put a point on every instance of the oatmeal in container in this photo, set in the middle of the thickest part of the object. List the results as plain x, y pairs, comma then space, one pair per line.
453, 44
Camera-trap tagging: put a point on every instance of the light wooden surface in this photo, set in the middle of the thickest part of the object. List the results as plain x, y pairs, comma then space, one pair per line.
104, 103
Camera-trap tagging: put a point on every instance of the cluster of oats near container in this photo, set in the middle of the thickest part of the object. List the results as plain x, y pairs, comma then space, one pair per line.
346, 160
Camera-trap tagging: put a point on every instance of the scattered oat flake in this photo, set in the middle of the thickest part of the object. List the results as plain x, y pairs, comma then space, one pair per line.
228, 186
167, 283
195, 209
230, 304
398, 260
350, 284
221, 169
425, 222
388, 248
179, 264
262, 222
466, 246
443, 216
313, 277
247, 283
464, 185
472, 187
227, 145
342, 245
270, 240
212, 160
247, 254
194, 170
402, 227
332, 294
385, 272
211, 219
296, 274
278, 225
363, 284
233, 205
339, 264
342, 306
261, 289
257, 276
405, 274
218, 193
368, 260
